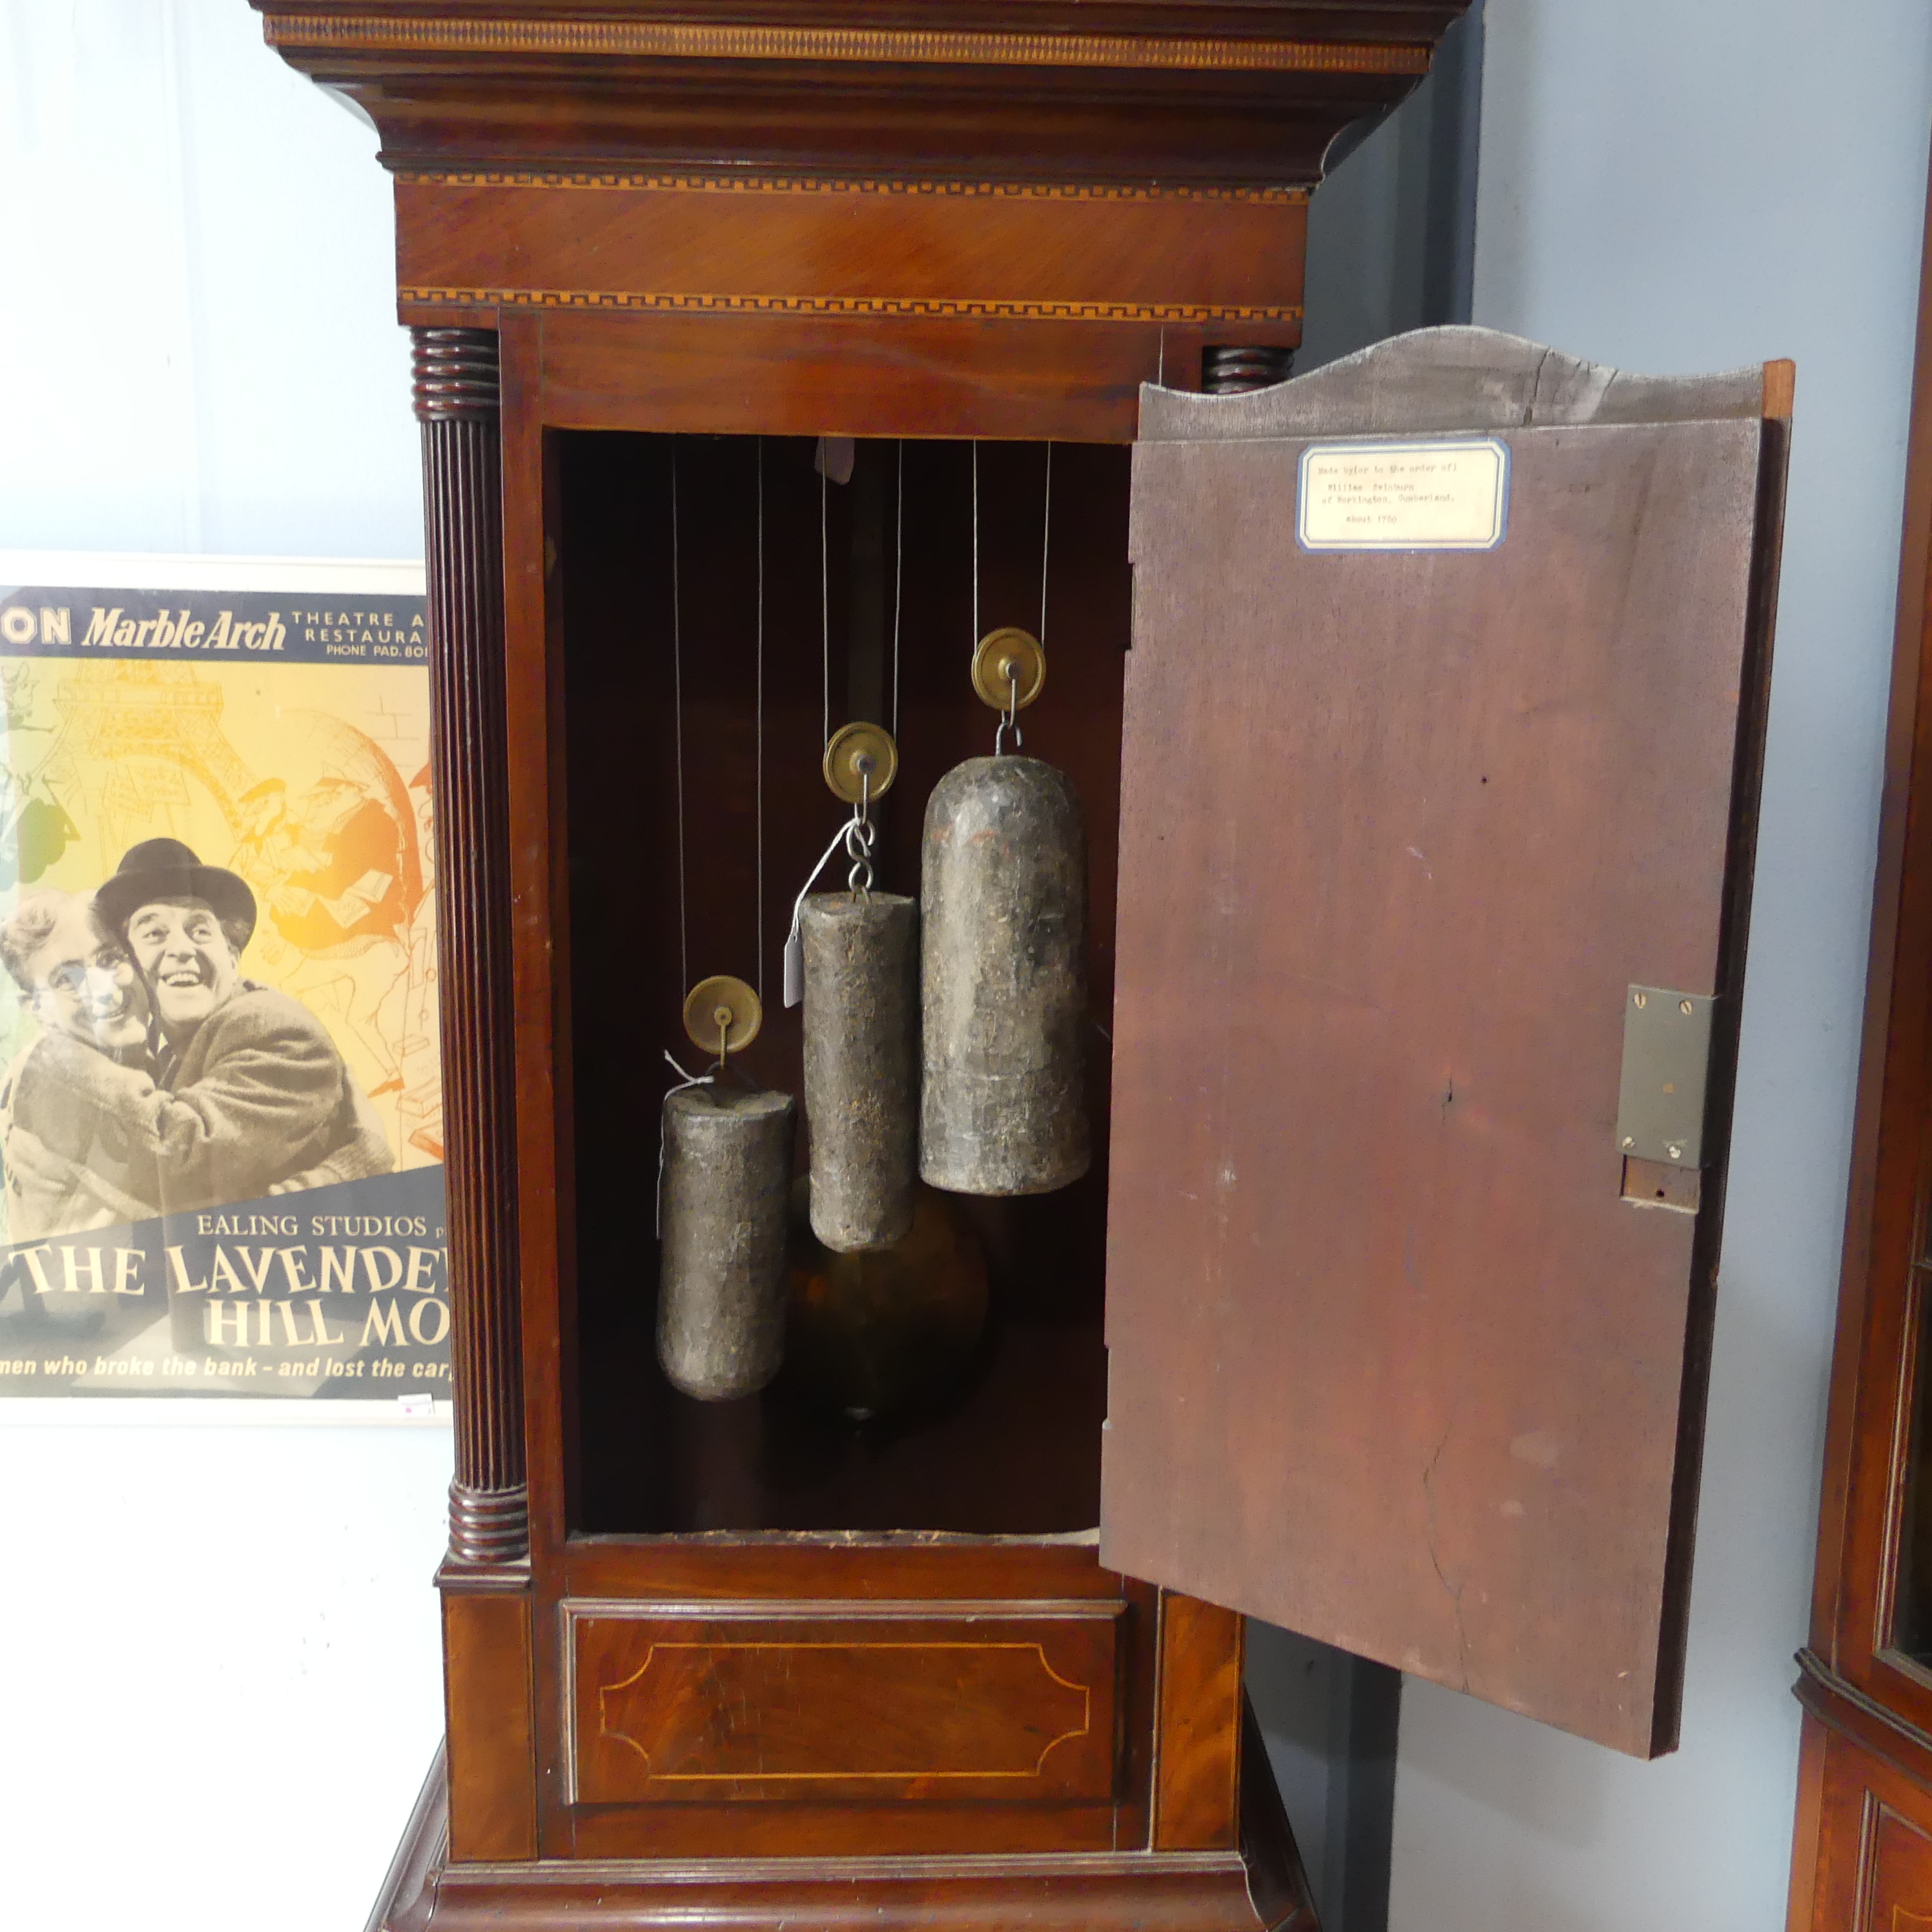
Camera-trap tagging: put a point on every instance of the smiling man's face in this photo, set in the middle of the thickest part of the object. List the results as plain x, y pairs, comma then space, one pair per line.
85, 985
184, 956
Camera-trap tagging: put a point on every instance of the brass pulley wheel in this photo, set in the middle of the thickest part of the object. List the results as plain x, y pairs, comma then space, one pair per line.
861, 760
1009, 668
722, 1014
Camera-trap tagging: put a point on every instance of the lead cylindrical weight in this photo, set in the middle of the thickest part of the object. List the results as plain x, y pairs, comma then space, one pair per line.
861, 1065
1002, 896
720, 1289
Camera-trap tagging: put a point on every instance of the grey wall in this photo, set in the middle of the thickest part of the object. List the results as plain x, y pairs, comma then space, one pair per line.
197, 346
1677, 185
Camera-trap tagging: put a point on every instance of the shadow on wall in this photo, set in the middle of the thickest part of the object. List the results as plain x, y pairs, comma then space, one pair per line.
1330, 1723
1392, 229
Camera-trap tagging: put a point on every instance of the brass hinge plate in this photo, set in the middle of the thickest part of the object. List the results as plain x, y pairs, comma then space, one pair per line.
1667, 1065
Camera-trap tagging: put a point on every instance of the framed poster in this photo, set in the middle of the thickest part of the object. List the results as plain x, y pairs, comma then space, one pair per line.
220, 1109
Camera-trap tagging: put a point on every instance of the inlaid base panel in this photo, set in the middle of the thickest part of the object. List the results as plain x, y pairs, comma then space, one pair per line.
1259, 1888
707, 1699
813, 1703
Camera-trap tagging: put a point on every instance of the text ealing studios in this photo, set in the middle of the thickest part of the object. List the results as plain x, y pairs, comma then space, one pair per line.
402, 1290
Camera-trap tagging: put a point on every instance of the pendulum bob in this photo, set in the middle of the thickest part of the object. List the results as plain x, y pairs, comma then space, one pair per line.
887, 1330
861, 1065
721, 1295
1002, 896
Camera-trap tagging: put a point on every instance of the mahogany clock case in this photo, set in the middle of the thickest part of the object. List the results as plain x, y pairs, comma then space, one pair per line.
753, 1630
805, 1571
1176, 91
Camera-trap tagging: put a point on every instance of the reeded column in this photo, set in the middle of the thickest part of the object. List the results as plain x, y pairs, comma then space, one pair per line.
456, 401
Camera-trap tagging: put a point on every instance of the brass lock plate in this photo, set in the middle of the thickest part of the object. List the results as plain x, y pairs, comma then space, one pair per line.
1667, 1066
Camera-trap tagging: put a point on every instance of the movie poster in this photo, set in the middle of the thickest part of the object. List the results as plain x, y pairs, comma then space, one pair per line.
220, 1109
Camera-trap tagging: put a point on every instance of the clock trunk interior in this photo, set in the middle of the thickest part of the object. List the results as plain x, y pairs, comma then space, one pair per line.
869, 612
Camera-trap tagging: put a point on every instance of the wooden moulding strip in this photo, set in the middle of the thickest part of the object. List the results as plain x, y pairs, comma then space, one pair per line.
964, 308
911, 1867
936, 187
853, 1610
1101, 1892
675, 41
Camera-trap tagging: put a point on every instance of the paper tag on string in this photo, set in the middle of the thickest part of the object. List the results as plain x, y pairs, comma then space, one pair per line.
794, 946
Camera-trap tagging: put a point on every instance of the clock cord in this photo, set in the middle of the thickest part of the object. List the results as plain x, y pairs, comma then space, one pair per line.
1046, 538
677, 726
824, 611
975, 642
898, 585
758, 715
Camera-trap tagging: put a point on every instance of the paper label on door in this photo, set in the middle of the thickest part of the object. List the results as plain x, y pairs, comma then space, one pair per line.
1448, 493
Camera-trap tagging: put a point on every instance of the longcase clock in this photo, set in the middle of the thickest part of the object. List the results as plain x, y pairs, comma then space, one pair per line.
766, 355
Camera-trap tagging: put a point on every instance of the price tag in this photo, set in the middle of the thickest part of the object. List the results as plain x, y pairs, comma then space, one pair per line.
794, 969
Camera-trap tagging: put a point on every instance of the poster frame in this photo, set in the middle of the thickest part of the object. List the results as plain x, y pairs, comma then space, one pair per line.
141, 570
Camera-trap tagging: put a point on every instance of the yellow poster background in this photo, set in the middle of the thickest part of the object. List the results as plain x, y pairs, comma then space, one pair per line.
301, 778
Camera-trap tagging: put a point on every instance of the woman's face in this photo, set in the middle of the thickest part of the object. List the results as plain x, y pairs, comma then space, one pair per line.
86, 985
184, 955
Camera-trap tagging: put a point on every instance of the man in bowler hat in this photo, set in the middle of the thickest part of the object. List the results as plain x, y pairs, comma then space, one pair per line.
251, 1097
